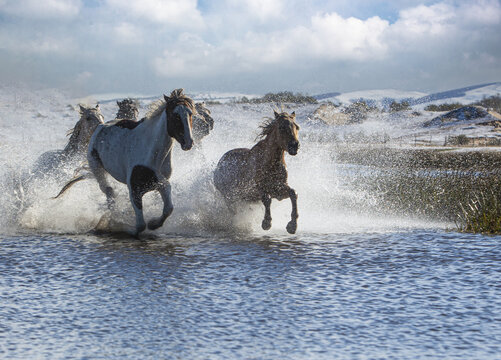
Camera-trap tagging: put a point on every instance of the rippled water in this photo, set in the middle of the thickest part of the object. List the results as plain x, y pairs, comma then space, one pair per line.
349, 285
409, 294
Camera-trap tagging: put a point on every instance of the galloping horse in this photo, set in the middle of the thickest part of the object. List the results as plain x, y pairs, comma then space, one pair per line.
139, 153
260, 173
203, 122
76, 148
127, 110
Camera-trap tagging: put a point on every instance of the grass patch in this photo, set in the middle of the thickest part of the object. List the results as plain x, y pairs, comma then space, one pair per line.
481, 214
463, 188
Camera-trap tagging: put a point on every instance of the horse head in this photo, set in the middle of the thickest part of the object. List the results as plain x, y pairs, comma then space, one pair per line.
180, 110
203, 122
287, 135
90, 118
127, 109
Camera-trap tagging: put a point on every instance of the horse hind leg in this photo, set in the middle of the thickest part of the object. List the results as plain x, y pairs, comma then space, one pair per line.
165, 191
97, 168
284, 193
292, 225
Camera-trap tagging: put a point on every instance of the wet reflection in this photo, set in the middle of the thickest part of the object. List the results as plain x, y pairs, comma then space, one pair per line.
244, 296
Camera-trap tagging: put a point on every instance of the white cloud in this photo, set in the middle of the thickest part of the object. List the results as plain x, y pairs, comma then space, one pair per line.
190, 57
46, 45
127, 33
260, 9
424, 20
481, 12
329, 37
338, 38
37, 9
176, 12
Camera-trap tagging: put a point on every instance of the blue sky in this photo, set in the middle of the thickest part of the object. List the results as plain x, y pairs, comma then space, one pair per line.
249, 46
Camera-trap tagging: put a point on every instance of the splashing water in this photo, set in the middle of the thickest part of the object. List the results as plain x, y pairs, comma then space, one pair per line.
39, 122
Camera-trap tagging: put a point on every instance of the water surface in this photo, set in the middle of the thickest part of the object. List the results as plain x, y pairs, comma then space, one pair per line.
410, 294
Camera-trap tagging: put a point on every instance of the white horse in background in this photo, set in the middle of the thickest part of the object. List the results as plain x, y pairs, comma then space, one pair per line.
139, 154
75, 150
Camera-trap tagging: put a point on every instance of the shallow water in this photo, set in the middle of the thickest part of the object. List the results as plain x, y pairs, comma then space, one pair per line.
411, 294
350, 285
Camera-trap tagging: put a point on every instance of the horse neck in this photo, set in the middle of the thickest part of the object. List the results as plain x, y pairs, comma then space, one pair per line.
269, 150
158, 127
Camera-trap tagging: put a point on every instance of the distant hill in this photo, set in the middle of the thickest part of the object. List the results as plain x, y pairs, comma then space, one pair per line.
383, 97
326, 96
456, 93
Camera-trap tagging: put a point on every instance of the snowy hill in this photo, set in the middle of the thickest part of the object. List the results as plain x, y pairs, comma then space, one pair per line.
417, 100
463, 95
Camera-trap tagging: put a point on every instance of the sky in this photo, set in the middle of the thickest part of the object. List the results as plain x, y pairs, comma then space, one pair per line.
249, 46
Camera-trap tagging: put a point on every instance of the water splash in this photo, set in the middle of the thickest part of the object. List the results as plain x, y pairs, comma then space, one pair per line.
326, 204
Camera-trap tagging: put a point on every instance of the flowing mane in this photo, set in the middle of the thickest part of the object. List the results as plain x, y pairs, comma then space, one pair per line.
155, 109
176, 97
269, 124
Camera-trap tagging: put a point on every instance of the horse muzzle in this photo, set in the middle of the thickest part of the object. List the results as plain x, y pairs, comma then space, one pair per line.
293, 147
187, 145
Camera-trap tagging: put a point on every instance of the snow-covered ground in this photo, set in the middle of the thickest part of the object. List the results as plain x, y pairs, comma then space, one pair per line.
33, 121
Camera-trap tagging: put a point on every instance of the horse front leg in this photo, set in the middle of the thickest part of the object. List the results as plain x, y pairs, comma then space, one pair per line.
165, 191
136, 198
292, 225
266, 199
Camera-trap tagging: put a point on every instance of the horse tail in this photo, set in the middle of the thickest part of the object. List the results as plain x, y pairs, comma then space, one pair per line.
71, 183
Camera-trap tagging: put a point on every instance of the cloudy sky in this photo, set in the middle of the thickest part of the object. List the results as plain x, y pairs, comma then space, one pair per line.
250, 46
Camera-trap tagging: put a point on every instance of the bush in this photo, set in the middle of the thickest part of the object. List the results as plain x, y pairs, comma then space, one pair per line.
492, 102
443, 107
399, 106
460, 140
358, 111
280, 97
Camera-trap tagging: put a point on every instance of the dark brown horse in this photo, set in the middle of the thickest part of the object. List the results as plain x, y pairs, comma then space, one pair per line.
127, 109
260, 173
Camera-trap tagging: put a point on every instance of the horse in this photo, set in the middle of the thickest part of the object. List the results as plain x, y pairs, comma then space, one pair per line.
260, 173
139, 154
127, 110
203, 122
52, 161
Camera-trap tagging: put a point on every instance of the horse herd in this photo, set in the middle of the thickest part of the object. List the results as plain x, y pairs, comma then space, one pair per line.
138, 153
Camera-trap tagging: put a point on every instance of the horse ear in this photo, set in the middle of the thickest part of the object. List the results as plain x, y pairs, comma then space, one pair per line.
293, 114
97, 106
166, 98
276, 114
82, 109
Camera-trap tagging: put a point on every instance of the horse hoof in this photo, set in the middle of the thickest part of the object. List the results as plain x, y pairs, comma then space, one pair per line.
291, 227
266, 225
140, 229
154, 224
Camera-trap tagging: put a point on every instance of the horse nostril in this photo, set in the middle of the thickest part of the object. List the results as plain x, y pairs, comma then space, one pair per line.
293, 148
